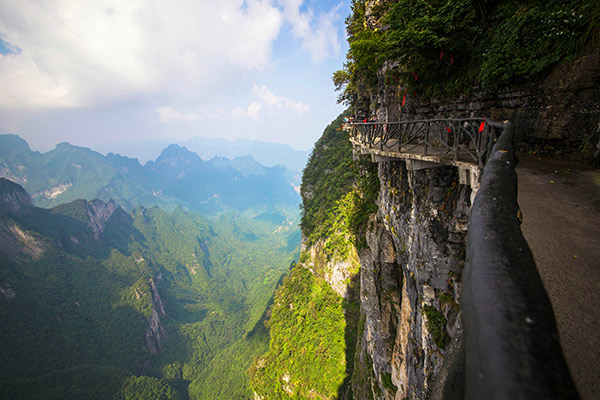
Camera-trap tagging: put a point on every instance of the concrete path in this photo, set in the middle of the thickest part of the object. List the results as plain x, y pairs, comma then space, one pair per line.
560, 202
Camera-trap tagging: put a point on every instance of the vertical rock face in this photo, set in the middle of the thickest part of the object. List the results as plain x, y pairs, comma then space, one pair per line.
410, 281
99, 213
155, 334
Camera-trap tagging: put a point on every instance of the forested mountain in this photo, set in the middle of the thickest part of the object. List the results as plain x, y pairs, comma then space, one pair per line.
177, 177
267, 153
99, 303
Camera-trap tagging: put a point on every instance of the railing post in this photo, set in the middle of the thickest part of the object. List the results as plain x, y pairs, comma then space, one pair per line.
426, 138
455, 140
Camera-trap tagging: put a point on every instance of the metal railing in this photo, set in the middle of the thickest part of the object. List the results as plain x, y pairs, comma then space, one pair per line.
467, 139
511, 348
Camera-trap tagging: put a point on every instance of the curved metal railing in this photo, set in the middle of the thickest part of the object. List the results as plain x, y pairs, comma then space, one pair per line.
510, 348
464, 139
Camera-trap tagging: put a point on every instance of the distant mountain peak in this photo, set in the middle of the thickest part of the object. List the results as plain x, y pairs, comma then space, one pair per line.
10, 143
174, 154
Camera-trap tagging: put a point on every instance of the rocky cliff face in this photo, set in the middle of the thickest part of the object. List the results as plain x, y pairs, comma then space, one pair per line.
15, 241
155, 333
98, 213
557, 116
410, 274
410, 280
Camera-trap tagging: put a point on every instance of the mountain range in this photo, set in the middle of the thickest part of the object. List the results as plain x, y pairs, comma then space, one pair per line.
178, 177
100, 303
267, 153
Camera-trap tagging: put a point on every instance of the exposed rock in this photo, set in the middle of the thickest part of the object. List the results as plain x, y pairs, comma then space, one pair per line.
337, 272
99, 213
155, 334
53, 192
415, 251
558, 116
19, 243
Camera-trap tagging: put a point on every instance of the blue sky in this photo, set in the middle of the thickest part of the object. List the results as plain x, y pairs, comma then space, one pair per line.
102, 71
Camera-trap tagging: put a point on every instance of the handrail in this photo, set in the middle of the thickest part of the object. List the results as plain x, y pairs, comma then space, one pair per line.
511, 348
511, 344
472, 138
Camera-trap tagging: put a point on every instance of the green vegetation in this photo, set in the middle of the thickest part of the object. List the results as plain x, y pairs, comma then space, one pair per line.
76, 324
313, 330
446, 46
177, 178
145, 387
307, 355
436, 324
338, 193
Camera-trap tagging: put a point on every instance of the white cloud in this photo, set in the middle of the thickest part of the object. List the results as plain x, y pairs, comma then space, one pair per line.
79, 53
250, 112
168, 114
271, 100
266, 100
318, 35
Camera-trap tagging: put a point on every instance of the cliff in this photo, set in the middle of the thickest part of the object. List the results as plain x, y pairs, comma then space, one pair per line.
536, 64
389, 239
155, 333
410, 280
389, 244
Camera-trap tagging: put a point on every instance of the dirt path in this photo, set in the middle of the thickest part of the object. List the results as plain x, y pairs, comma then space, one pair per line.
561, 222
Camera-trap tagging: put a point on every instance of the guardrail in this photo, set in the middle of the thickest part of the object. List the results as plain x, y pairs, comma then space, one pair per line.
511, 345
510, 348
469, 139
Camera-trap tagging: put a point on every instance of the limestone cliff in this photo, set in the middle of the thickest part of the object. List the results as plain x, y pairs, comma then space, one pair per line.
98, 213
536, 64
410, 281
155, 333
391, 244
410, 273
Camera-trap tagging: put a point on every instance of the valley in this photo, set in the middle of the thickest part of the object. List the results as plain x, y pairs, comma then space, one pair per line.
120, 288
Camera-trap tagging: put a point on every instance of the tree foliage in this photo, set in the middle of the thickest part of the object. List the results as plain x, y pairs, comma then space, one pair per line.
437, 47
307, 354
81, 303
338, 192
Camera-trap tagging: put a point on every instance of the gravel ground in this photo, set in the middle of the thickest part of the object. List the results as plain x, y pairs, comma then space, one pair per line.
560, 202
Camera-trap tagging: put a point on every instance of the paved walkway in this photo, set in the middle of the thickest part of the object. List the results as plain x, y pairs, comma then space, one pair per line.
560, 202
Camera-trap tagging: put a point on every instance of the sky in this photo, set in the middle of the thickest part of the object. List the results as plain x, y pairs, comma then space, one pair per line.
92, 72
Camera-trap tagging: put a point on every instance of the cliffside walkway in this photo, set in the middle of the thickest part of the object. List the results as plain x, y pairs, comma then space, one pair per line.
511, 347
464, 143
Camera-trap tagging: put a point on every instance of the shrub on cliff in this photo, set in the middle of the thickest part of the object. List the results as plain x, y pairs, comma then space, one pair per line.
338, 193
442, 46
